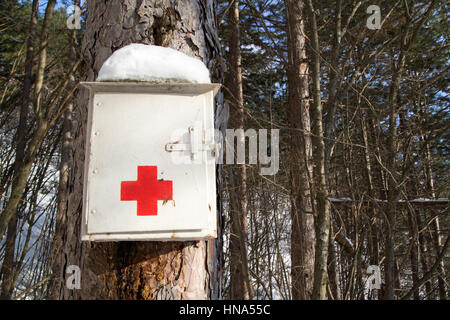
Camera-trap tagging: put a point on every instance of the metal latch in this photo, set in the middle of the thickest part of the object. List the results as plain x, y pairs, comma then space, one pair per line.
194, 147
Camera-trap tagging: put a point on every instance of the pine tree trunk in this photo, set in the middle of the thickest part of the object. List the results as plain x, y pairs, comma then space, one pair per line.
139, 270
302, 227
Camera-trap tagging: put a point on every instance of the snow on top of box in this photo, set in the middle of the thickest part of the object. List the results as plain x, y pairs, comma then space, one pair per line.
141, 62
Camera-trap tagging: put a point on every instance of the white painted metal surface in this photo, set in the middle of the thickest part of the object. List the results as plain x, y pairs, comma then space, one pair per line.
150, 169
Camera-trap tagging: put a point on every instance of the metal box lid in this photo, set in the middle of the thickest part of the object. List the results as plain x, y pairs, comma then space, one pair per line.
150, 162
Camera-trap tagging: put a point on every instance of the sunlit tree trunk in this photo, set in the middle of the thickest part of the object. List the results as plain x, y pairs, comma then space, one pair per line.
322, 224
239, 282
302, 226
139, 270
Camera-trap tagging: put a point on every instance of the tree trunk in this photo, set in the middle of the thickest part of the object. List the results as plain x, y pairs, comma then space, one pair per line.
139, 270
333, 267
7, 271
302, 226
413, 231
239, 283
64, 169
322, 224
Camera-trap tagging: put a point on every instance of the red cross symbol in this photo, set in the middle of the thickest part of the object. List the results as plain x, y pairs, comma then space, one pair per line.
147, 190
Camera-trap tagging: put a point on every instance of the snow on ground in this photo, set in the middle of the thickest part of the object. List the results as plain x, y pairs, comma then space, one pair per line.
141, 62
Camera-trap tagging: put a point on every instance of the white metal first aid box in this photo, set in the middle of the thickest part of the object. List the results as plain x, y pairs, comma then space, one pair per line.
150, 162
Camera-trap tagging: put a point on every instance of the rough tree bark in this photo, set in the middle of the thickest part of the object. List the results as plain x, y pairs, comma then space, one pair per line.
302, 227
139, 270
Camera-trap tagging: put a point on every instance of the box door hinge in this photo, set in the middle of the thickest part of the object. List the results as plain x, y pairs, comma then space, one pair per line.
194, 146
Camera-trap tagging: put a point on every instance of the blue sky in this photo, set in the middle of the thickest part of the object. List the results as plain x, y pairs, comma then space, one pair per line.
59, 4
